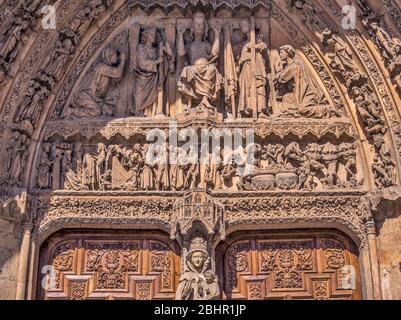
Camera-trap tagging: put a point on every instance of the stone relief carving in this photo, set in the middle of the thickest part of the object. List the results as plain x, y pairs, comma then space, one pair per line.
390, 48
61, 54
194, 3
151, 63
200, 81
88, 14
383, 164
198, 282
311, 14
290, 168
55, 64
201, 76
32, 104
45, 167
250, 58
16, 156
310, 167
166, 168
96, 98
341, 59
366, 101
14, 36
296, 93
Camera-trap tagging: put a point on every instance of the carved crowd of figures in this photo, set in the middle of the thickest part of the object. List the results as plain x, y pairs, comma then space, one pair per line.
145, 167
199, 77
291, 167
366, 102
69, 166
390, 48
15, 34
55, 65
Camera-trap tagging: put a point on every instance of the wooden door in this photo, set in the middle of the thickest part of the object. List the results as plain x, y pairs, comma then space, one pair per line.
291, 266
107, 266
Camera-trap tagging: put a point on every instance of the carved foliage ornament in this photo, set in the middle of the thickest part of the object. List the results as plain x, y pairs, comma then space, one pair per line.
213, 3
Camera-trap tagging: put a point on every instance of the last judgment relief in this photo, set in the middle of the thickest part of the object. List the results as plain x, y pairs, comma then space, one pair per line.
201, 120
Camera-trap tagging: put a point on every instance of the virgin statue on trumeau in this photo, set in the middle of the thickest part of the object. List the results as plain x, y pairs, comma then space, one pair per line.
198, 282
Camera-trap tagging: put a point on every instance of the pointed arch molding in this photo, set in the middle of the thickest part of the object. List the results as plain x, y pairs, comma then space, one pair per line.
102, 28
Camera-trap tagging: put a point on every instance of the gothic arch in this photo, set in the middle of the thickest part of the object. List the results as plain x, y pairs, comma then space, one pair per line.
344, 148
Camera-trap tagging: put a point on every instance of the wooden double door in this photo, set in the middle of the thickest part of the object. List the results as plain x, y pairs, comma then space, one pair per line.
143, 265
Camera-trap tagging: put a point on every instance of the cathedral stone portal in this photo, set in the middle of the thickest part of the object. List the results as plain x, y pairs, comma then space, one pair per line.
200, 150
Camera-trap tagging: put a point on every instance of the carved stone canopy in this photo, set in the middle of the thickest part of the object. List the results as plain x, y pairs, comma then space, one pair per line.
198, 207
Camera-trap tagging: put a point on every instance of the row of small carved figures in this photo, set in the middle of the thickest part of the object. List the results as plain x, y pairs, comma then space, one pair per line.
23, 21
164, 168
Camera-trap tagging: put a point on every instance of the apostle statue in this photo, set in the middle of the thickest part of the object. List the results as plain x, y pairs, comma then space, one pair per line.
384, 41
58, 60
200, 82
150, 63
252, 68
198, 282
13, 39
296, 92
96, 100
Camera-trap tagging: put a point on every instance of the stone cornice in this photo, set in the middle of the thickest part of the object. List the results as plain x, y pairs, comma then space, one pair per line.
132, 126
156, 209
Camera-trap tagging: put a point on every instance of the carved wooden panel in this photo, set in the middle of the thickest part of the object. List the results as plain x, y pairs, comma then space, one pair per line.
320, 267
110, 267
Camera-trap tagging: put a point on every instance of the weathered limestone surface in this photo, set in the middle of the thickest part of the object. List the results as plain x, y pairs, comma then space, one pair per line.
313, 172
10, 242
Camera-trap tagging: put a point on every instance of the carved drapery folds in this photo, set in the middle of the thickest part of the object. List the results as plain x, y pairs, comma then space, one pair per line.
198, 225
211, 54
74, 131
33, 103
239, 61
15, 33
390, 49
366, 101
139, 166
16, 155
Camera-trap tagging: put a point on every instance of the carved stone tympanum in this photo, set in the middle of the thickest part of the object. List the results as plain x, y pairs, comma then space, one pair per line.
199, 149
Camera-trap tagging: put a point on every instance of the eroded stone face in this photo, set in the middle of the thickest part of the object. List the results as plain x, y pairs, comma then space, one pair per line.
200, 119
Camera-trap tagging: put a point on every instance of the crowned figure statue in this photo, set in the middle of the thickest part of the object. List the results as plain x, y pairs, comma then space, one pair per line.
198, 282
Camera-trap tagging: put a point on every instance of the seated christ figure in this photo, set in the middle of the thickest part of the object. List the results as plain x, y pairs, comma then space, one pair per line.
200, 82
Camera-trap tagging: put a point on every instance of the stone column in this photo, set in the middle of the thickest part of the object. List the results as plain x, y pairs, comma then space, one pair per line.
374, 260
23, 261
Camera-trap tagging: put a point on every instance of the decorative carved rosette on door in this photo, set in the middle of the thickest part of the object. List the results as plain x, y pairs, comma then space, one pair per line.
311, 267
105, 267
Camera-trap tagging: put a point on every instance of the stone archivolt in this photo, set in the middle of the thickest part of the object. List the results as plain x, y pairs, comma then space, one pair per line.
326, 122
